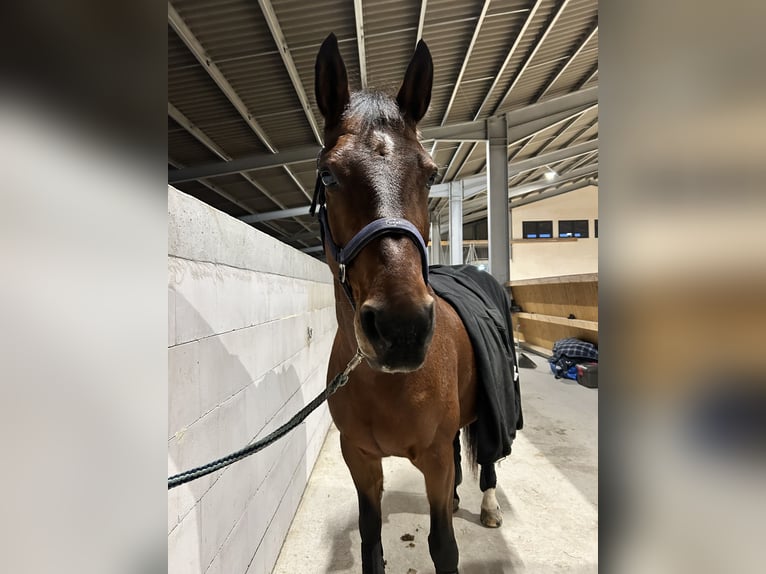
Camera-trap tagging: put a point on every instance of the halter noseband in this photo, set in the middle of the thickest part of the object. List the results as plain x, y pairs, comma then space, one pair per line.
373, 230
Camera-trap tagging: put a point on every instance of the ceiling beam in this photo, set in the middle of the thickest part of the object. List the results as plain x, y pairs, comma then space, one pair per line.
579, 162
570, 120
452, 162
247, 163
279, 214
590, 125
584, 129
467, 131
544, 184
287, 60
470, 205
509, 55
464, 131
544, 110
359, 17
476, 184
532, 54
421, 21
560, 133
527, 131
205, 140
471, 186
541, 160
535, 118
582, 161
476, 31
465, 159
530, 175
305, 235
195, 47
470, 216
207, 63
520, 188
474, 216
578, 50
525, 122
589, 76
571, 163
199, 135
517, 167
554, 192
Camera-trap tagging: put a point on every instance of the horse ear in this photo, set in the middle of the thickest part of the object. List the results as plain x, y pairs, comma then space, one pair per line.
415, 93
331, 82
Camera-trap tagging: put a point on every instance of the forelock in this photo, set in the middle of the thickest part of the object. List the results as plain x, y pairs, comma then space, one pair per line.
374, 110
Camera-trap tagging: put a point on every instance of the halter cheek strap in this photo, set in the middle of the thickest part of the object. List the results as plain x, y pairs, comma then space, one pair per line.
344, 256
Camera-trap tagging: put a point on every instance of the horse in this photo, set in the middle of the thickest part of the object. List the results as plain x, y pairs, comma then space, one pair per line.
417, 385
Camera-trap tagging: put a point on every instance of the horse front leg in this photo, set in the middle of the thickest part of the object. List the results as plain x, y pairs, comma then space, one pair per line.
367, 473
438, 468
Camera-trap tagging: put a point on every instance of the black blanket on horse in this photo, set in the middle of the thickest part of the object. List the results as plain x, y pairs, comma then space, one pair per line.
483, 305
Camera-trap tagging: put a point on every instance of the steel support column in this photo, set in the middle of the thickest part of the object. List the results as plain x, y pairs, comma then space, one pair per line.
435, 253
456, 222
497, 198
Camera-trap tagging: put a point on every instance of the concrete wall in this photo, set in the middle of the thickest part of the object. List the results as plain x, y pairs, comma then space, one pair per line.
250, 327
532, 259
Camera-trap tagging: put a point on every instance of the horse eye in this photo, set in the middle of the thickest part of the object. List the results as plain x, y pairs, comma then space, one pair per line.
431, 180
328, 179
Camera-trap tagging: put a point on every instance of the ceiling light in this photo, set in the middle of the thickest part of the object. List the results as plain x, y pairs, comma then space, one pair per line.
550, 175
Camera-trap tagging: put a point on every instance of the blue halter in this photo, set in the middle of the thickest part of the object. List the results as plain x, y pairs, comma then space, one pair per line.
373, 230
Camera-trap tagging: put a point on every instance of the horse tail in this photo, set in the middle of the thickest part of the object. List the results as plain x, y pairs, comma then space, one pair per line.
472, 437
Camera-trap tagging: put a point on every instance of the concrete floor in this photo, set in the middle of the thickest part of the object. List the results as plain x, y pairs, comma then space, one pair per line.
548, 489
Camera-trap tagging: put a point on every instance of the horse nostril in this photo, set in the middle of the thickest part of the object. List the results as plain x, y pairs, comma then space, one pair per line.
368, 319
388, 329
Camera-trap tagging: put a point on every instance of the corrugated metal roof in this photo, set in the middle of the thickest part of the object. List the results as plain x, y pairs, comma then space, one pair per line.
556, 55
184, 148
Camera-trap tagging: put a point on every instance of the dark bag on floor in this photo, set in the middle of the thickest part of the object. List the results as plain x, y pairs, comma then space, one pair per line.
568, 353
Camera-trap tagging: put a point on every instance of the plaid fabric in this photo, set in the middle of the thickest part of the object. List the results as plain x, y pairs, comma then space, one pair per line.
574, 349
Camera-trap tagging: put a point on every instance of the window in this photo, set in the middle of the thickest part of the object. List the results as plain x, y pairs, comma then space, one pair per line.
596, 222
573, 228
537, 229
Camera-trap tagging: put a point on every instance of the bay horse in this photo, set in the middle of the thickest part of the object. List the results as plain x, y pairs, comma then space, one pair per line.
417, 386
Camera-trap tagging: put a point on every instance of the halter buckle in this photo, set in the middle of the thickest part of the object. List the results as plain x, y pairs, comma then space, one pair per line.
342, 273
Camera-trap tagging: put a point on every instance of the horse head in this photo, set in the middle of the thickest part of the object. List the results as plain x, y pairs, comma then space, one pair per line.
374, 177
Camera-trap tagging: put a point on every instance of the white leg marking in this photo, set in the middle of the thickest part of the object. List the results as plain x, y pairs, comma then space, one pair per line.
489, 502
491, 515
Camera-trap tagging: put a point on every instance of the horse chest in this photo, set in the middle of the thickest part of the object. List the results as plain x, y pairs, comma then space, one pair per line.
385, 422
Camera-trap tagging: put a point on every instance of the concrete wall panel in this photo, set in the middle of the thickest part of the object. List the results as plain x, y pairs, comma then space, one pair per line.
250, 328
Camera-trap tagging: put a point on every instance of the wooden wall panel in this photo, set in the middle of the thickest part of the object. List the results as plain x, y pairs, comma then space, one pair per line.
547, 304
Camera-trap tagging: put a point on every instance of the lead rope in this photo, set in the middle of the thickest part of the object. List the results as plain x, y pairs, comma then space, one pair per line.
339, 381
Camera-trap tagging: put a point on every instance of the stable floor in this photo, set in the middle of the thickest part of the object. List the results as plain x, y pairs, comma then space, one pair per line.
548, 489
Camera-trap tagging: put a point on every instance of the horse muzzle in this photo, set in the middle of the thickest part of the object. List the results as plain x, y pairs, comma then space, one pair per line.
396, 340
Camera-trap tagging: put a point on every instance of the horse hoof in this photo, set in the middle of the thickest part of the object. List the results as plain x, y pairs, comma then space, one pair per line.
491, 518
455, 504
